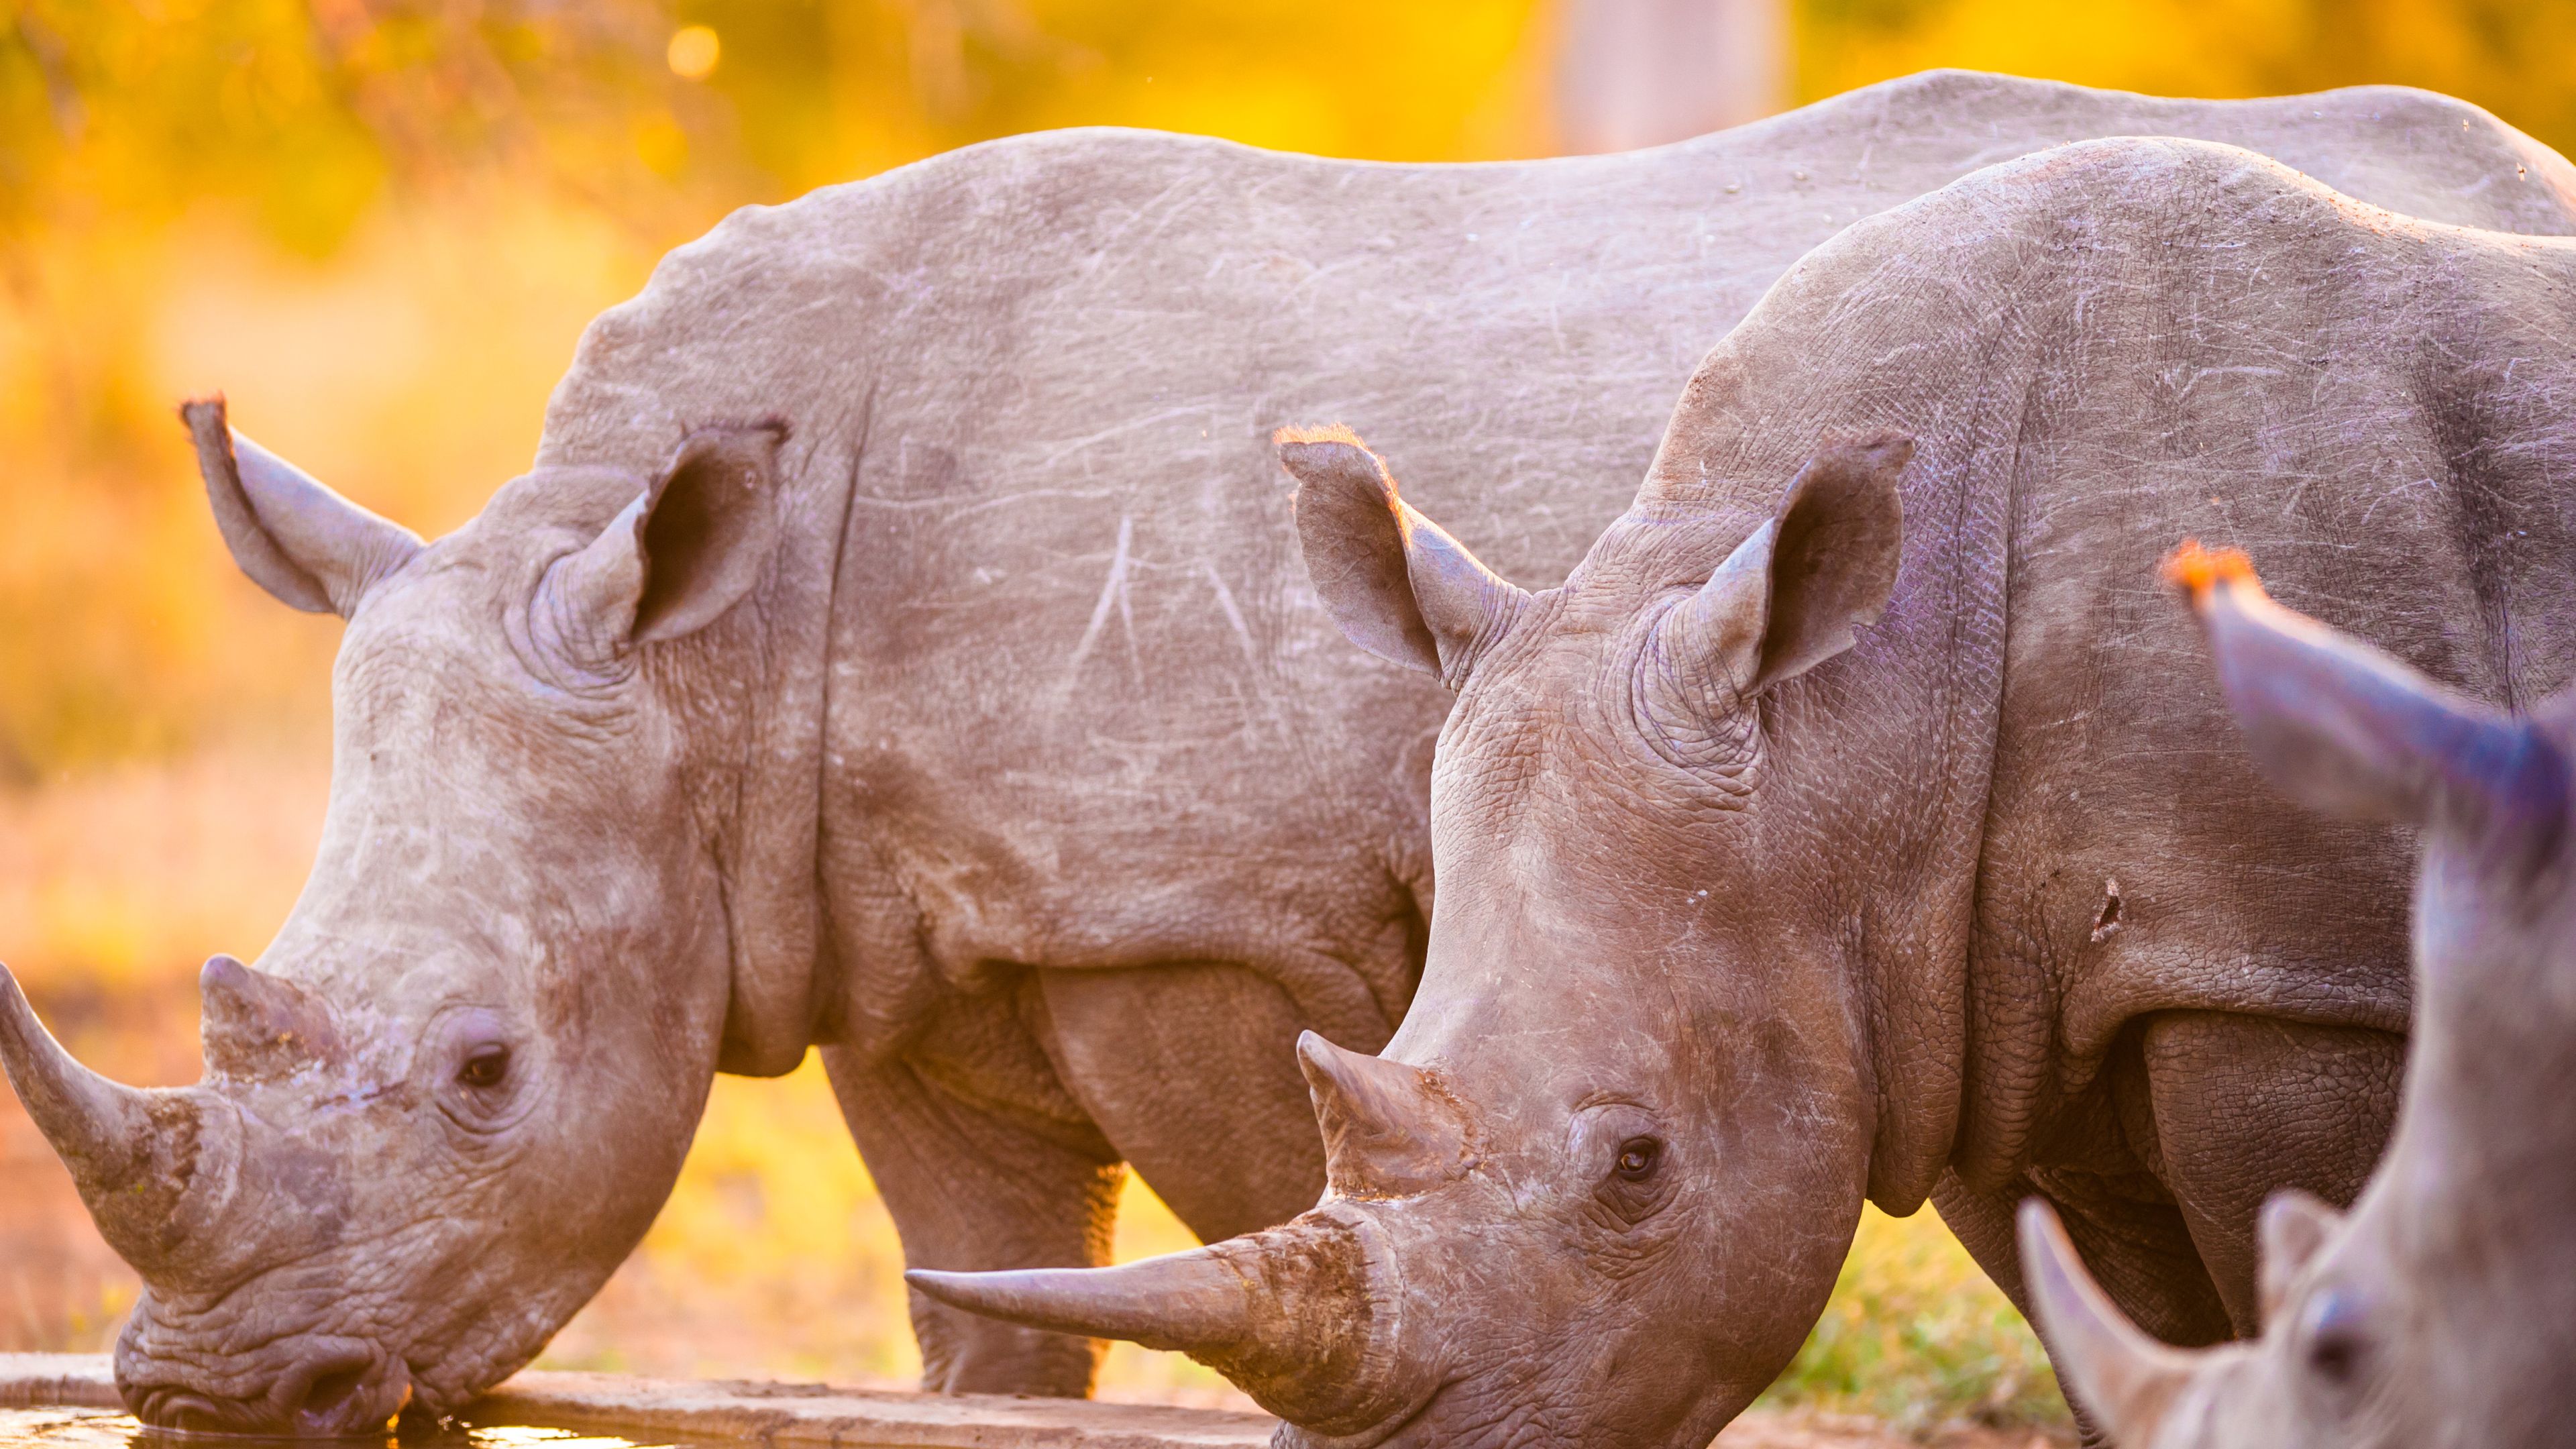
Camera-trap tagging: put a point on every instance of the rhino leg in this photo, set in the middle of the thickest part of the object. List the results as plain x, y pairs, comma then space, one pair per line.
2134, 1239
2113, 1221
981, 1171
2129, 1233
1191, 1069
2247, 1105
1983, 1225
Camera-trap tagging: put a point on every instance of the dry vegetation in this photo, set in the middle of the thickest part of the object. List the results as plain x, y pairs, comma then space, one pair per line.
380, 224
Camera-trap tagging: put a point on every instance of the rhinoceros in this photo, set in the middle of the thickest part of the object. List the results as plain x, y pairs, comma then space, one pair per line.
1855, 822
2442, 1313
900, 645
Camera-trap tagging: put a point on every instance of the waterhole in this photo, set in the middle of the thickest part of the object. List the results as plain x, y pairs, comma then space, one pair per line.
100, 1429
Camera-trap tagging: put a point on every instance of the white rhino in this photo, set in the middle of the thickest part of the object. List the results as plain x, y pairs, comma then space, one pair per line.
901, 645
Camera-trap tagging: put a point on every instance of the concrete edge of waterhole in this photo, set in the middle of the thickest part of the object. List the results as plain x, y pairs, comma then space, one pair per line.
763, 1412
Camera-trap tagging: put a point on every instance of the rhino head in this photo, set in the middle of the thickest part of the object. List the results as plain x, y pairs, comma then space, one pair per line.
455, 1089
2440, 1312
1597, 1188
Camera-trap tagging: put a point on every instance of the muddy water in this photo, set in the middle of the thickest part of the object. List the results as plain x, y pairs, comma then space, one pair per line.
99, 1429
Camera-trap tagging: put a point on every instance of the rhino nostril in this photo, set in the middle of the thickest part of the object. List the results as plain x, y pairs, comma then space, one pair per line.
188, 1413
331, 1393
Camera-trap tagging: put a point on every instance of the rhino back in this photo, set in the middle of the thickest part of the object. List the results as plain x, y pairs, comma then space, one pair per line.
1080, 695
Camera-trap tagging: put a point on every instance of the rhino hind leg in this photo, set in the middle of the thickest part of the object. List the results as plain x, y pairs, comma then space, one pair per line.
975, 1182
2247, 1105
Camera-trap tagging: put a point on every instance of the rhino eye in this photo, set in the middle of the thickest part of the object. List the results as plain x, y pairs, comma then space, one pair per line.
1637, 1158
485, 1066
2336, 1341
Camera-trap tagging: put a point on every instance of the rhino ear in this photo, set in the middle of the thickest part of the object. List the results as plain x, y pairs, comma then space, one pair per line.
1401, 588
2344, 728
676, 559
2294, 1225
1791, 596
312, 548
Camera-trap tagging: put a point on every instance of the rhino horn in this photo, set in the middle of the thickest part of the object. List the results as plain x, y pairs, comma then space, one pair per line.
258, 1026
131, 1153
1287, 1313
1194, 1302
2129, 1380
1389, 1129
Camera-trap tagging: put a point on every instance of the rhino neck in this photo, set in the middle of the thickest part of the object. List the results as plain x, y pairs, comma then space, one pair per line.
1909, 945
771, 662
1893, 741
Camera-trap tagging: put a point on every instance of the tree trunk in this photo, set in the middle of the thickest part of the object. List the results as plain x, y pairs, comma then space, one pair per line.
1633, 73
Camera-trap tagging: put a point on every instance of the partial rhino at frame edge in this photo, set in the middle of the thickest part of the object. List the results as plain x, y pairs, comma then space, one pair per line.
2440, 1313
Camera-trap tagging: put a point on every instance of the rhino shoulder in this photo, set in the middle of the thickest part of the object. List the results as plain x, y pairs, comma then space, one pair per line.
787, 309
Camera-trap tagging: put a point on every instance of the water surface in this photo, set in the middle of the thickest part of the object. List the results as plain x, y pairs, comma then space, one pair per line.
102, 1429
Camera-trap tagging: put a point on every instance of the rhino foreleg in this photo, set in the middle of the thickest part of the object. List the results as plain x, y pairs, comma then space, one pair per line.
975, 1185
1983, 1224
2128, 1231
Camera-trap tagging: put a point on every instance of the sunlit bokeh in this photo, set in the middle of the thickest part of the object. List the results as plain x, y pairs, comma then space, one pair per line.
693, 52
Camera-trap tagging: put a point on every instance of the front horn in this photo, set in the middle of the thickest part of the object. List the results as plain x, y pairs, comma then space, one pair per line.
2129, 1380
1287, 1313
131, 1153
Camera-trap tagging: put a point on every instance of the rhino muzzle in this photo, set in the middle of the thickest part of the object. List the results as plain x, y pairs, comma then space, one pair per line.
313, 1386
157, 1170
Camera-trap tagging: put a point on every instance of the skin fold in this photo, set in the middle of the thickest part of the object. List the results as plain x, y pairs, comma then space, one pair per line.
1858, 821
2439, 1312
979, 723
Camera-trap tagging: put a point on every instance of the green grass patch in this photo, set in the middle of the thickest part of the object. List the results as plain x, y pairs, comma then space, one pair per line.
1917, 1335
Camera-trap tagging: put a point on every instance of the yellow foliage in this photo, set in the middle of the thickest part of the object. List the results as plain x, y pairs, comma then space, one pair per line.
115, 886
379, 226
2510, 58
1916, 1334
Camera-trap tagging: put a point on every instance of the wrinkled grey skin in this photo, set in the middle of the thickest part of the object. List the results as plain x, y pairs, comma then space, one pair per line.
1022, 770
1857, 821
2441, 1314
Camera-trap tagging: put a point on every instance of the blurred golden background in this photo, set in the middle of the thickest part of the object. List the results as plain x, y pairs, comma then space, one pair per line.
379, 226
